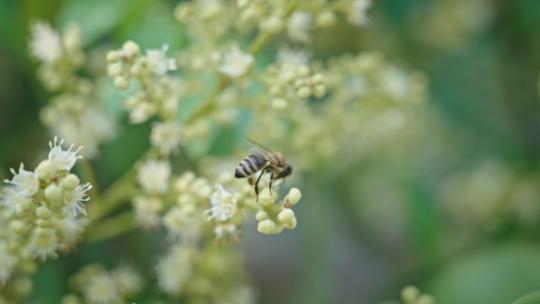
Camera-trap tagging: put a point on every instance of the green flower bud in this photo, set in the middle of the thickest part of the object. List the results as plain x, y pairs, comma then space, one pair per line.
319, 91
70, 182
17, 226
53, 193
410, 293
425, 299
304, 92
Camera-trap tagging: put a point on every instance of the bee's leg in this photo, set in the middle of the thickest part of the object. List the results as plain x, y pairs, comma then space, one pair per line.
271, 180
257, 184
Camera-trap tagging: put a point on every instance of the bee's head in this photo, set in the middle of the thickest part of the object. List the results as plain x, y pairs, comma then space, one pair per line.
286, 172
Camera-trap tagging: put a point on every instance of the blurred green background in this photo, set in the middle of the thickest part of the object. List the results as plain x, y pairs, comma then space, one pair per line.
483, 72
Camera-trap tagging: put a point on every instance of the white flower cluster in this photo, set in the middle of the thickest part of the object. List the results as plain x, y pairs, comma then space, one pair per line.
274, 217
485, 197
157, 93
60, 55
95, 285
74, 114
293, 83
41, 211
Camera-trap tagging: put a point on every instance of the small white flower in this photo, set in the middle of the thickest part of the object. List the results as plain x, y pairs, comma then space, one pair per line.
299, 26
45, 43
127, 279
74, 202
235, 63
154, 176
174, 269
147, 211
63, 159
101, 288
357, 14
70, 227
26, 182
159, 62
44, 244
224, 205
166, 136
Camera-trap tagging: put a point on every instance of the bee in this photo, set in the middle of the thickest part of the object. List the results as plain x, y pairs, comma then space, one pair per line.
263, 160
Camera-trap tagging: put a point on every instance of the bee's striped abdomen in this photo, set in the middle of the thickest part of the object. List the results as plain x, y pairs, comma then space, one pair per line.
249, 166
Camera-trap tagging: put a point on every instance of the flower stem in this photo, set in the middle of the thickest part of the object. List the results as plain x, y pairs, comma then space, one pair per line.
112, 227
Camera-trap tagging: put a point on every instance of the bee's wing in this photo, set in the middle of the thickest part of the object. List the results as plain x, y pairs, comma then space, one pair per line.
262, 150
257, 146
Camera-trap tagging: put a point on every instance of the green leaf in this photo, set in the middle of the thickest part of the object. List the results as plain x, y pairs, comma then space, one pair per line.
495, 275
96, 18
532, 298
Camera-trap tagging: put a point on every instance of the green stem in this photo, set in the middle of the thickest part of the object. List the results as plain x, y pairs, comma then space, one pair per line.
89, 175
112, 227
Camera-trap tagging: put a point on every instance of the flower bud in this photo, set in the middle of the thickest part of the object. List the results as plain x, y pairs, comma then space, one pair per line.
53, 193
17, 226
261, 215
286, 216
70, 182
326, 19
266, 227
319, 91
131, 48
114, 69
43, 212
112, 56
410, 294
425, 299
45, 170
304, 92
267, 197
293, 196
44, 223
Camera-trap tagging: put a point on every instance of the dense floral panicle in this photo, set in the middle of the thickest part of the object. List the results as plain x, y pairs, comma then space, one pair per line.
38, 212
157, 93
